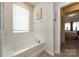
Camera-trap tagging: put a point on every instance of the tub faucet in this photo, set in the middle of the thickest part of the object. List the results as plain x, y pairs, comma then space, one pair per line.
38, 41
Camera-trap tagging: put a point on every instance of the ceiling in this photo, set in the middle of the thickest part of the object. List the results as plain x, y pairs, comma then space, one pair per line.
33, 3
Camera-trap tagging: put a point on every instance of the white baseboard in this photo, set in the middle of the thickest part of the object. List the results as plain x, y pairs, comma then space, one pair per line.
37, 53
52, 54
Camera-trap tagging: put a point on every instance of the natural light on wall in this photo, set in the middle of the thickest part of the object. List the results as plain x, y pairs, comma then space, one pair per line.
20, 19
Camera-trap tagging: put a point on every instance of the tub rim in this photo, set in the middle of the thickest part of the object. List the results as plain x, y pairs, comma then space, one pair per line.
21, 51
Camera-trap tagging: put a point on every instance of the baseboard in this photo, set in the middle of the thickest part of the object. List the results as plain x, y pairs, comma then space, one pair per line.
37, 53
52, 54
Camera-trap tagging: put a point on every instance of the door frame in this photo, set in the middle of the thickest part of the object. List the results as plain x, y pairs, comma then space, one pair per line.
61, 22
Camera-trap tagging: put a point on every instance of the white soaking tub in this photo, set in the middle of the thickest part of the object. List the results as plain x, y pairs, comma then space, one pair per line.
23, 49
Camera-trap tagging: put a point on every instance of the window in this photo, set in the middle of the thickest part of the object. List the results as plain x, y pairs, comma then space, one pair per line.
75, 26
20, 19
67, 26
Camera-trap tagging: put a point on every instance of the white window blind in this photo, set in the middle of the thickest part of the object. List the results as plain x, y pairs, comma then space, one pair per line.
20, 19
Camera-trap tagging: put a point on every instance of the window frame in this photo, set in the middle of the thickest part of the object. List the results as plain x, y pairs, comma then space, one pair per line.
70, 26
76, 25
29, 22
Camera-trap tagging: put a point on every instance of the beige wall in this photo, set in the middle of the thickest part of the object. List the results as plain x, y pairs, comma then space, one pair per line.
0, 43
45, 25
1, 24
0, 33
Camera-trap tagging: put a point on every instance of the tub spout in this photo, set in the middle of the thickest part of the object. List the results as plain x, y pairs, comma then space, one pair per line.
38, 41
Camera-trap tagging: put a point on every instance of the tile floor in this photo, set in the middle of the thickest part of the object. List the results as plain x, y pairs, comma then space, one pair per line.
68, 49
45, 54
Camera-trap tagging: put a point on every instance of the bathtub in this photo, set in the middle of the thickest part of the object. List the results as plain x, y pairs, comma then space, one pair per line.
23, 49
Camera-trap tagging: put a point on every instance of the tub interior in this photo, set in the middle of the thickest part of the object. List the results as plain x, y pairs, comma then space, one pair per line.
10, 49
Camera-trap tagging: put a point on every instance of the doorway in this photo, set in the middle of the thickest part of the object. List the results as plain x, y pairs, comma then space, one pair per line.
69, 30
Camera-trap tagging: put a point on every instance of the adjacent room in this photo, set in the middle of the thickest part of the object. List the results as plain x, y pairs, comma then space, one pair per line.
70, 29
